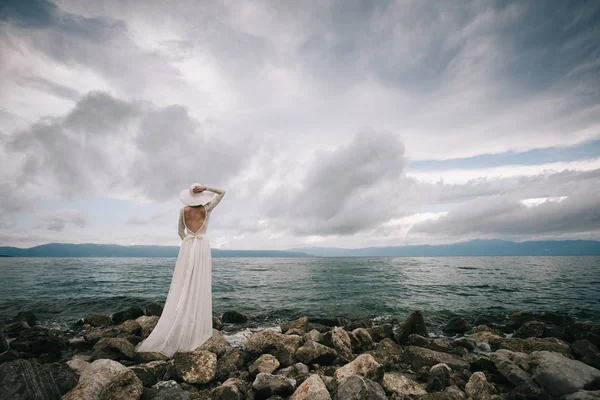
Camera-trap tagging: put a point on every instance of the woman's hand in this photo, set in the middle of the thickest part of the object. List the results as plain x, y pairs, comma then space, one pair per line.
199, 188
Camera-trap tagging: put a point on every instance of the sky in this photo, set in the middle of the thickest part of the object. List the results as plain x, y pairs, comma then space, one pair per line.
328, 123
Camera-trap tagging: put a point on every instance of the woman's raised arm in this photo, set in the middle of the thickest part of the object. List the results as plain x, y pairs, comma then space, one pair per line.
213, 203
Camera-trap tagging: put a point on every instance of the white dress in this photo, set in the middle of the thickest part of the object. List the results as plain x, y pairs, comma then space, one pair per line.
186, 320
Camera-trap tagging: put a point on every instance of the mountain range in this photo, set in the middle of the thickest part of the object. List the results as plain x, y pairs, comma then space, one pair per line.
470, 248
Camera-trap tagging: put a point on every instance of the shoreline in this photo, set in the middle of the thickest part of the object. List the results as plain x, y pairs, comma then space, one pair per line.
391, 358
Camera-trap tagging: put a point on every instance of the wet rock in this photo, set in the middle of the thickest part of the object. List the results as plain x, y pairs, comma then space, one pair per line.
114, 349
216, 323
388, 354
553, 318
301, 324
515, 368
106, 380
267, 385
265, 363
456, 325
147, 323
530, 329
316, 353
430, 343
131, 313
131, 327
231, 389
365, 323
420, 356
154, 309
233, 317
28, 379
9, 355
172, 393
3, 341
415, 323
216, 344
361, 340
480, 362
14, 329
363, 365
586, 352
578, 331
584, 395
313, 388
341, 343
229, 363
93, 336
98, 320
465, 342
437, 377
359, 388
77, 365
153, 372
400, 386
329, 321
42, 343
28, 317
268, 341
380, 332
478, 388
561, 375
198, 366
530, 345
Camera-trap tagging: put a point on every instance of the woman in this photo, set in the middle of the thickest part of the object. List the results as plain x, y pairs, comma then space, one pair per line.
186, 320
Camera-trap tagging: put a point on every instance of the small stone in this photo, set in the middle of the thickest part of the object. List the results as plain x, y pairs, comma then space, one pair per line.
98, 320
216, 343
216, 323
231, 389
131, 326
530, 329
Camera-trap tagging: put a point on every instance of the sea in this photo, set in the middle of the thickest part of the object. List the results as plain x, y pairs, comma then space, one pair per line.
62, 290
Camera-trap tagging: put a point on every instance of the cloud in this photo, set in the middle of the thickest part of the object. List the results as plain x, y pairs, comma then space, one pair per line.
57, 220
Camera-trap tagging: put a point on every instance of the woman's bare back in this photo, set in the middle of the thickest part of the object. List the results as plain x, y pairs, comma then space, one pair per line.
194, 217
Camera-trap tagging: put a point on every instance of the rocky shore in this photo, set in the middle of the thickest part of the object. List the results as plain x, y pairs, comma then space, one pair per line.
529, 356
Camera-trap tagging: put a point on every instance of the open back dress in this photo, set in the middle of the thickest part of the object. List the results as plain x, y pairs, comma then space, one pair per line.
186, 320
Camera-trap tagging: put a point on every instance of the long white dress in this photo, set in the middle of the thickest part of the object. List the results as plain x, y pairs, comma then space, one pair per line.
186, 320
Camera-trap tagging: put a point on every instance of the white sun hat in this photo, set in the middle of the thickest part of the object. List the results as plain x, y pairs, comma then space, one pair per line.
189, 198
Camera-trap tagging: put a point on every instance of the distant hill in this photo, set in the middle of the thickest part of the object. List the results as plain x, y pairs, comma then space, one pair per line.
113, 250
471, 248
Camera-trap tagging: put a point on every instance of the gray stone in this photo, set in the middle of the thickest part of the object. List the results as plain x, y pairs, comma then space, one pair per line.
114, 349
419, 357
268, 341
298, 371
267, 385
229, 363
301, 324
98, 320
313, 388
198, 366
313, 352
356, 387
415, 323
216, 344
363, 365
379, 332
231, 389
147, 323
77, 365
174, 393
561, 375
478, 388
130, 326
515, 368
437, 377
429, 343
233, 317
397, 384
388, 354
106, 380
586, 352
530, 329
584, 395
342, 344
28, 379
265, 363
313, 335
154, 309
131, 313
457, 325
154, 371
361, 340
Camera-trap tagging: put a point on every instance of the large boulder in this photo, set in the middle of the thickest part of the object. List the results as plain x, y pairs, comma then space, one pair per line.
216, 344
420, 356
147, 323
41, 343
379, 332
415, 323
267, 385
515, 368
341, 342
154, 309
389, 354
561, 375
130, 327
584, 395
233, 317
312, 388
456, 325
531, 329
231, 389
98, 320
3, 340
437, 377
114, 349
230, 363
265, 363
131, 313
106, 380
154, 371
361, 340
478, 388
585, 351
363, 365
315, 353
198, 366
430, 343
531, 344
357, 387
269, 341
400, 386
28, 379
301, 324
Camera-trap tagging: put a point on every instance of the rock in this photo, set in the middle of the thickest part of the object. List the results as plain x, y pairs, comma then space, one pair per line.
92, 337
530, 345
154, 309
379, 332
363, 365
231, 389
114, 349
301, 323
268, 341
451, 393
437, 377
361, 340
3, 341
465, 342
298, 371
216, 344
561, 375
342, 344
364, 323
316, 353
98, 320
415, 323
586, 352
456, 325
396, 384
578, 331
420, 356
267, 385
28, 317
313, 335
9, 355
478, 388
147, 323
14, 329
429, 343
329, 321
388, 354
553, 318
530, 329
131, 327
514, 367
42, 343
584, 395
229, 363
480, 362
28, 379
153, 372
198, 366
131, 313
359, 388
216, 323
265, 363
77, 365
106, 380
312, 388
172, 393
233, 317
